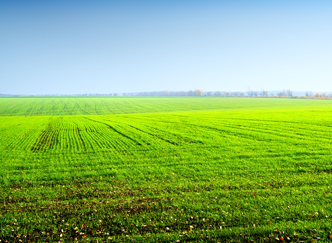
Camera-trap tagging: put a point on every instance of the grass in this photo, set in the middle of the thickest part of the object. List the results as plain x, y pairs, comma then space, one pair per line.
59, 106
224, 170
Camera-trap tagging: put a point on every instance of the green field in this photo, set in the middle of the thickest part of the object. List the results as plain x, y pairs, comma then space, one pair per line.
60, 106
165, 169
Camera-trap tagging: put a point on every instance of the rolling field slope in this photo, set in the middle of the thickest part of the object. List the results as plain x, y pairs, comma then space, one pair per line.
59, 106
252, 169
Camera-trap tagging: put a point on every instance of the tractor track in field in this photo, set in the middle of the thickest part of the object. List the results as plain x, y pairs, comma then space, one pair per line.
115, 130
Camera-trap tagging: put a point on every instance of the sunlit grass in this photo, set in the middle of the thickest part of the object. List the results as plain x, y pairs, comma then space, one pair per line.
257, 174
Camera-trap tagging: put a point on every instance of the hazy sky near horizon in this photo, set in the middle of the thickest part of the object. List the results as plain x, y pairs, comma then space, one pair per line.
75, 47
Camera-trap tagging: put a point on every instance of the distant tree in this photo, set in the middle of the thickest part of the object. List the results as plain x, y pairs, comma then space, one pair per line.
218, 93
190, 93
281, 94
198, 92
289, 93
250, 93
165, 93
308, 94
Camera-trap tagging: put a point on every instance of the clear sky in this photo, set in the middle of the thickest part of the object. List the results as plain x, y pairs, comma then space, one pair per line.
78, 46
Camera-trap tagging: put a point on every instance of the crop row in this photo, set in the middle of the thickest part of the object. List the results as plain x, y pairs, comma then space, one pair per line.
56, 106
191, 176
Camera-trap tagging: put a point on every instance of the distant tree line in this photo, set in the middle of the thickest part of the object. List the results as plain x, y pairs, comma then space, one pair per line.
249, 93
198, 92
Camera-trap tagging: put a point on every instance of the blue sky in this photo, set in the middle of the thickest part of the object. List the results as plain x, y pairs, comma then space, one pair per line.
70, 47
